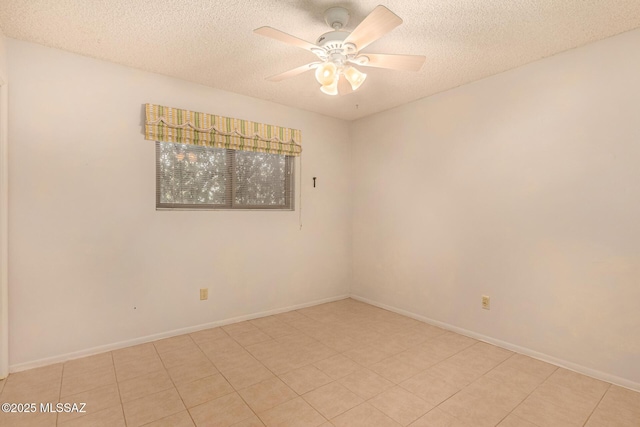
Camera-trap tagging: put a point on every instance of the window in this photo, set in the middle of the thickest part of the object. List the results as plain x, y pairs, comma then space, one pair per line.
196, 177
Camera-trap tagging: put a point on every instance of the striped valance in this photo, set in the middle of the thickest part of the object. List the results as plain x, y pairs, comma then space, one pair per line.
187, 127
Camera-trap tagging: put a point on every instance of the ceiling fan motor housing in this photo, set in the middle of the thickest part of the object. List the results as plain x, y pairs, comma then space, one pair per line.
332, 43
336, 17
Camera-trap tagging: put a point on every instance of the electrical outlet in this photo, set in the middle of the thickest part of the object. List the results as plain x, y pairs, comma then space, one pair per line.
204, 294
486, 302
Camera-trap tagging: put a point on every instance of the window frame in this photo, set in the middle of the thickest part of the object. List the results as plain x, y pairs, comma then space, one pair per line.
289, 204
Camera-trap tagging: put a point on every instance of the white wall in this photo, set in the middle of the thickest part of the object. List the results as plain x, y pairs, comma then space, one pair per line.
4, 211
525, 187
87, 244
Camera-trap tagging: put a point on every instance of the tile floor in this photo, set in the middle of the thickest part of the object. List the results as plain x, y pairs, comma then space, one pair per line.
343, 364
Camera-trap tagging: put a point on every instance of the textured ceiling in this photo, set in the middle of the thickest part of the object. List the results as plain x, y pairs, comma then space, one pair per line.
211, 41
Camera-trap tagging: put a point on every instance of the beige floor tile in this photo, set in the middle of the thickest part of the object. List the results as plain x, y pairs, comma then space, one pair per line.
45, 374
392, 344
578, 382
514, 421
134, 353
472, 382
96, 400
317, 351
173, 343
246, 376
422, 358
429, 330
455, 341
433, 390
251, 337
109, 417
497, 393
145, 385
613, 417
183, 356
332, 399
233, 359
74, 384
296, 339
208, 335
289, 316
181, 419
239, 328
337, 366
128, 368
267, 394
31, 391
267, 321
473, 409
438, 418
365, 383
253, 421
455, 372
221, 412
219, 346
401, 405
276, 328
529, 365
567, 397
305, 379
621, 398
187, 373
294, 413
478, 359
520, 380
268, 349
340, 342
543, 413
46, 419
364, 415
152, 408
88, 364
287, 361
200, 391
394, 370
34, 385
487, 351
366, 356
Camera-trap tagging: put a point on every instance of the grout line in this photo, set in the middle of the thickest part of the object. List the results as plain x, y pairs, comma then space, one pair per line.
597, 404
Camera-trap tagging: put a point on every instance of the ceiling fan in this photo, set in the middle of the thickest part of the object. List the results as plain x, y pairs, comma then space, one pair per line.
339, 50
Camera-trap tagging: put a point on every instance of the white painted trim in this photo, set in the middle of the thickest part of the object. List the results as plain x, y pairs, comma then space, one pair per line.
141, 340
513, 347
4, 229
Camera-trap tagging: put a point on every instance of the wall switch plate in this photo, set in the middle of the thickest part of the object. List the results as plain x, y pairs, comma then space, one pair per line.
486, 302
204, 294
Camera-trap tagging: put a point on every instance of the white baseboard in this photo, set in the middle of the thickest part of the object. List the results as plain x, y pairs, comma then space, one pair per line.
141, 340
513, 347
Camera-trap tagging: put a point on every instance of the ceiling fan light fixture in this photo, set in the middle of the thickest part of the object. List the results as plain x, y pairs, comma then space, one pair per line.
331, 88
355, 77
326, 73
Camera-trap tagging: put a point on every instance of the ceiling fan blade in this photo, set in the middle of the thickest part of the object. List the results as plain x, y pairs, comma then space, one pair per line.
344, 87
392, 62
284, 37
375, 25
294, 72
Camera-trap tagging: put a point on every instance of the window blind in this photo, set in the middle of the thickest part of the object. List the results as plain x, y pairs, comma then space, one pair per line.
190, 176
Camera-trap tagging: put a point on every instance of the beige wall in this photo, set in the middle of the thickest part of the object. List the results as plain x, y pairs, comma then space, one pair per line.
525, 187
4, 300
87, 244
